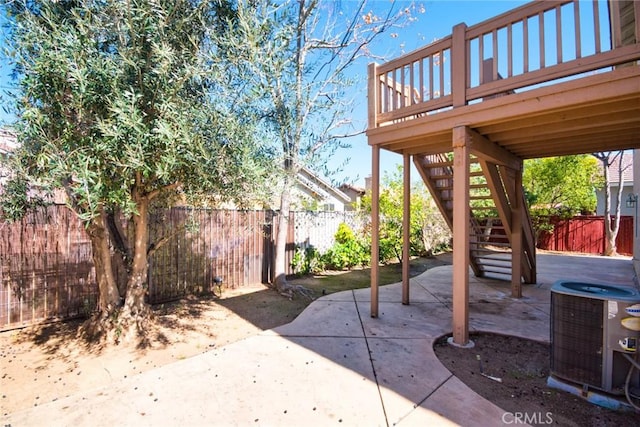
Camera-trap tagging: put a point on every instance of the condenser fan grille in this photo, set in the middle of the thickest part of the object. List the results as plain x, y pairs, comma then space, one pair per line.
576, 338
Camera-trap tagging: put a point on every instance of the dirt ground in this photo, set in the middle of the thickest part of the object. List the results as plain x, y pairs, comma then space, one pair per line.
49, 362
523, 367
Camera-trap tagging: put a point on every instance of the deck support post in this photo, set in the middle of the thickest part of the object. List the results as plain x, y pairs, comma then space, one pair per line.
406, 227
375, 227
516, 235
461, 218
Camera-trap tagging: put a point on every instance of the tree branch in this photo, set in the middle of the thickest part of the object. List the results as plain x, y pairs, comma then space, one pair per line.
155, 246
155, 193
117, 236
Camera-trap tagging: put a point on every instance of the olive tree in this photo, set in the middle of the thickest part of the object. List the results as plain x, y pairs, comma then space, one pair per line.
119, 106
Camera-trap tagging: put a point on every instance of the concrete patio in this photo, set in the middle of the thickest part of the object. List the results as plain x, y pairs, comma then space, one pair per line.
334, 364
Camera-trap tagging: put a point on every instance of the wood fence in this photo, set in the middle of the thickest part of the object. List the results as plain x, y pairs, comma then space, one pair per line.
46, 266
586, 234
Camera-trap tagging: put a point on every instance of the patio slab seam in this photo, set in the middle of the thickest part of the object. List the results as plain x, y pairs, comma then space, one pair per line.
373, 367
423, 401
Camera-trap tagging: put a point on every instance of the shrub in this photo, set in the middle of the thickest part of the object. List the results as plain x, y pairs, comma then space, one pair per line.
347, 252
428, 230
344, 234
306, 261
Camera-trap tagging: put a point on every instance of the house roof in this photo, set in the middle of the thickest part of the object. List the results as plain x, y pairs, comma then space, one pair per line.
348, 187
627, 166
317, 185
8, 141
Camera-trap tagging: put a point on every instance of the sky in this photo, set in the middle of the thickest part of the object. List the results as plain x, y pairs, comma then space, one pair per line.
437, 21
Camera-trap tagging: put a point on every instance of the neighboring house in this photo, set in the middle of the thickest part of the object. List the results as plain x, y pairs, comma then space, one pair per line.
627, 185
7, 145
355, 195
314, 193
311, 192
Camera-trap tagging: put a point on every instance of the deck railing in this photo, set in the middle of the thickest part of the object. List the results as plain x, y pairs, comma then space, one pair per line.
537, 43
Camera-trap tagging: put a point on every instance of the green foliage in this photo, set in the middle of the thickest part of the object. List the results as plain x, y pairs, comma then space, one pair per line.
15, 200
428, 233
348, 251
344, 234
562, 185
350, 254
116, 104
307, 261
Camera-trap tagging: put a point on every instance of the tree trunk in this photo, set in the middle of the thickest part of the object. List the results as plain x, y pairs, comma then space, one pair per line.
108, 295
135, 305
610, 238
611, 230
280, 267
109, 298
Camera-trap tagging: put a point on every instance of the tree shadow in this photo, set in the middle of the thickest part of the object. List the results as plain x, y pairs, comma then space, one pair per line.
266, 309
263, 307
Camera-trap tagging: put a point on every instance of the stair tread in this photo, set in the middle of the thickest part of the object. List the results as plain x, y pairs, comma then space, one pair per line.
495, 265
491, 259
489, 251
472, 187
437, 164
499, 244
446, 163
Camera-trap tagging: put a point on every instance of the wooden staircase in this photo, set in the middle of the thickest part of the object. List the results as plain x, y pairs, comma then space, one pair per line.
491, 190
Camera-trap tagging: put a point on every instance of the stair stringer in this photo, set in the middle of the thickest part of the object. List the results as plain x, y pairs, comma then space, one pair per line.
426, 167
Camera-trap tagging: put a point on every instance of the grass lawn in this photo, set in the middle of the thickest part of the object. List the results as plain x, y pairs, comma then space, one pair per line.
267, 309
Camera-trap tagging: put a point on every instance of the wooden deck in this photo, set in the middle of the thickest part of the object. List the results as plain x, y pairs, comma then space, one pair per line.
415, 101
595, 113
548, 78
